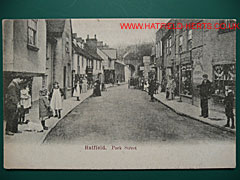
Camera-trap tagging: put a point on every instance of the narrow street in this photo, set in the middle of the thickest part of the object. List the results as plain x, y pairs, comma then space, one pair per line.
127, 115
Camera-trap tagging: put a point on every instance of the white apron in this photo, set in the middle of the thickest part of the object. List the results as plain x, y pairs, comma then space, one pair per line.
56, 101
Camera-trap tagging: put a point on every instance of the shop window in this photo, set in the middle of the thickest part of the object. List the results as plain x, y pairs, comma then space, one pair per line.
224, 75
186, 79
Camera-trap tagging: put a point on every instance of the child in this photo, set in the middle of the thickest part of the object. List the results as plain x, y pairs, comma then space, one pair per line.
76, 92
229, 101
56, 99
44, 108
25, 102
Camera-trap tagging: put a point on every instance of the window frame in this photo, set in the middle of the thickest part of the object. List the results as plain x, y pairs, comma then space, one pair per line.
32, 41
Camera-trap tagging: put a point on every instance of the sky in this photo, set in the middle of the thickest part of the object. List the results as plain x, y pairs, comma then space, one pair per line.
109, 31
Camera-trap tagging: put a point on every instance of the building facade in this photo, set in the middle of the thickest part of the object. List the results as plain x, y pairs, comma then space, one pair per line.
94, 65
24, 52
60, 31
119, 71
81, 59
109, 56
188, 53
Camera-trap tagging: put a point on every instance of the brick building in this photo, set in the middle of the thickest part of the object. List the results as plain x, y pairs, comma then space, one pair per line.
187, 54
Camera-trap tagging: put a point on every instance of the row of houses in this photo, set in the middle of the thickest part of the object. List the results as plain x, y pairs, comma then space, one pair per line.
187, 54
44, 51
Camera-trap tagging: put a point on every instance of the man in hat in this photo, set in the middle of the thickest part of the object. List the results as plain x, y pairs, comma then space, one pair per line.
13, 104
205, 92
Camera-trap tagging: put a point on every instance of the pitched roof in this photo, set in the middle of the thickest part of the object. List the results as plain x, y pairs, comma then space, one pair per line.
55, 25
94, 54
81, 51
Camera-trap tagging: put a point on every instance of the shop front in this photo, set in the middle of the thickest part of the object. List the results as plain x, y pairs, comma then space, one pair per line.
224, 77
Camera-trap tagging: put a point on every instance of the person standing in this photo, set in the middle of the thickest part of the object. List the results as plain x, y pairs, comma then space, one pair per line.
229, 103
12, 106
25, 102
168, 88
84, 85
205, 92
151, 89
77, 91
172, 88
56, 99
44, 108
97, 91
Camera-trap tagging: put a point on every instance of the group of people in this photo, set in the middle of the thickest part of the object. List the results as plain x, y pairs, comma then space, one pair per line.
205, 92
18, 102
81, 86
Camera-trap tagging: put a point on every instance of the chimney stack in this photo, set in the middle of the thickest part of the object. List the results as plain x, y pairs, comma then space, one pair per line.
88, 36
95, 36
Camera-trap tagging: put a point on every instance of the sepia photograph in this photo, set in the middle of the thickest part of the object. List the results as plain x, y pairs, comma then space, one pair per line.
115, 94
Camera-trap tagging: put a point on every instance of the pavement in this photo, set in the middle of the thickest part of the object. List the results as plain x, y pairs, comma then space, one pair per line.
216, 118
31, 132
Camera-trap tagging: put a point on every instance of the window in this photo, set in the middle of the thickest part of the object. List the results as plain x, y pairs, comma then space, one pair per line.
170, 45
180, 43
190, 34
224, 75
96, 64
109, 63
32, 32
189, 42
186, 71
83, 61
157, 55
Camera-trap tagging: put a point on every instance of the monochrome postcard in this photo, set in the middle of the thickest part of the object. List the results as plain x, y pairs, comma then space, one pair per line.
119, 93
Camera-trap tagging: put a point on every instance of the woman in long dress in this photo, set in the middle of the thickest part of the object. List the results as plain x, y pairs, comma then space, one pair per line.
76, 92
56, 99
96, 90
84, 85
